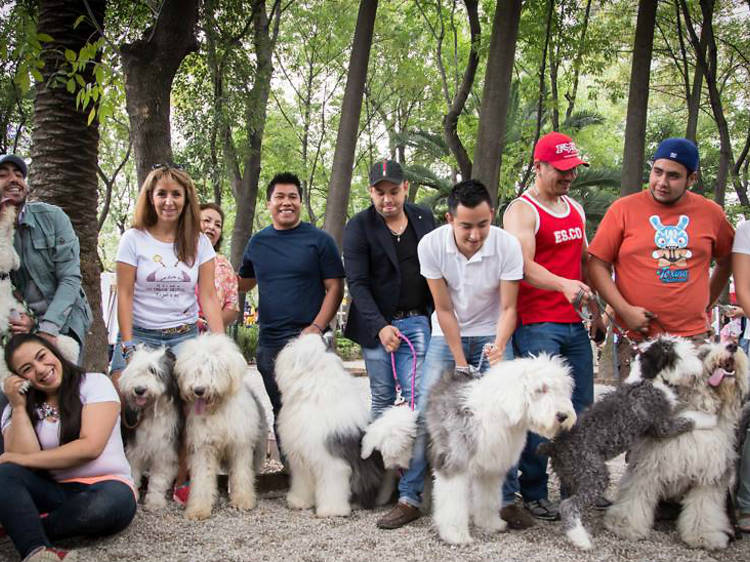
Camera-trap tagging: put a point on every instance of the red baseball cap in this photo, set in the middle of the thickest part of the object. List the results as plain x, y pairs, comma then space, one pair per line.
559, 151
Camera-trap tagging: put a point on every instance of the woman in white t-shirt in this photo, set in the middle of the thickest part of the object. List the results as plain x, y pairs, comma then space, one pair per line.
63, 452
160, 261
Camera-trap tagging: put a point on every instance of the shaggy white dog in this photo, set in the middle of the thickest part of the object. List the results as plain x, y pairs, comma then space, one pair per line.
695, 467
150, 392
9, 261
392, 434
477, 430
321, 423
225, 422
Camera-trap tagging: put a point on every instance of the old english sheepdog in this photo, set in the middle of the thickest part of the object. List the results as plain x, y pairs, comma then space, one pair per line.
477, 429
695, 467
149, 390
612, 424
225, 422
9, 306
321, 424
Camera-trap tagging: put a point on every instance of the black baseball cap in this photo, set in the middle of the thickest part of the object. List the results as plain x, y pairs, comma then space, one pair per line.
386, 170
15, 160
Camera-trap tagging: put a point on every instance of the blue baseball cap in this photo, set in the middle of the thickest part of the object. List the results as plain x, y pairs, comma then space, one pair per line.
16, 161
680, 150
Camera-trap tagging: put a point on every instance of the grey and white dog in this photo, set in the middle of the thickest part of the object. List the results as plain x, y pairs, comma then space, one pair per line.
612, 425
152, 420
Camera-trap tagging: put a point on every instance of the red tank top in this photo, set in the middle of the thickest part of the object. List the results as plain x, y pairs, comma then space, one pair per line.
559, 245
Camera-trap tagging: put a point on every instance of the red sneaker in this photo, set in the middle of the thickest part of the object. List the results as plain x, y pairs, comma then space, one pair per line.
181, 493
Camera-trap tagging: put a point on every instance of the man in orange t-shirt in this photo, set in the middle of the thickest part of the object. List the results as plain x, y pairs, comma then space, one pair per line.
661, 243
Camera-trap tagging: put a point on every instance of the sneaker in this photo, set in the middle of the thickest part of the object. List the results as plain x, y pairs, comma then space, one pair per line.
49, 554
181, 493
516, 517
401, 514
743, 523
542, 509
601, 503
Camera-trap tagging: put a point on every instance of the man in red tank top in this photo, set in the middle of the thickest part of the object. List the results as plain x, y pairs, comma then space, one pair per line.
551, 228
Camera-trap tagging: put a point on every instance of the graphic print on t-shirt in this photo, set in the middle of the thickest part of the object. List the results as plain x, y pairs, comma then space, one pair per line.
166, 278
671, 252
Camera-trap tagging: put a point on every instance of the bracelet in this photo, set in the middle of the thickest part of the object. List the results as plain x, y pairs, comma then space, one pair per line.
321, 330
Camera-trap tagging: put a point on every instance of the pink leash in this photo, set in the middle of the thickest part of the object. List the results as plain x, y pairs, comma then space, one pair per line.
413, 368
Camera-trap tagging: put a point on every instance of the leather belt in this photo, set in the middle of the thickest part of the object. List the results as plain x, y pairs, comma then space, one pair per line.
401, 314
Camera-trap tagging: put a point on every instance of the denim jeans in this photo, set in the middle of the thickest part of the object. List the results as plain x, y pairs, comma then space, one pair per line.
152, 338
743, 493
74, 509
383, 385
438, 360
570, 341
265, 359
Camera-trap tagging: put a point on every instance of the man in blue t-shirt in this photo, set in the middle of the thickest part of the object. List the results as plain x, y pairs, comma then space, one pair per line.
299, 275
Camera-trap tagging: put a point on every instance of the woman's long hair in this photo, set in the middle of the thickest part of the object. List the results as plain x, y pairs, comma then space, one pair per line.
215, 207
68, 396
189, 223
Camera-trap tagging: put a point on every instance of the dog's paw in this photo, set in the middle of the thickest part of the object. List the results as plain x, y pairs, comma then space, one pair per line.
456, 536
333, 511
492, 525
154, 502
244, 502
579, 537
198, 513
295, 502
624, 529
717, 540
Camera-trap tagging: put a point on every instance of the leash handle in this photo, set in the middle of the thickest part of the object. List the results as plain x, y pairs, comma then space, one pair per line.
413, 367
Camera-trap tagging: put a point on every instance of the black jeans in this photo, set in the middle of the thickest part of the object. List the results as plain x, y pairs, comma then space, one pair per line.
74, 509
265, 359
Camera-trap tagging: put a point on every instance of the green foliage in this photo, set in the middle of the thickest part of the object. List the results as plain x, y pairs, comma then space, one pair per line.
247, 340
346, 348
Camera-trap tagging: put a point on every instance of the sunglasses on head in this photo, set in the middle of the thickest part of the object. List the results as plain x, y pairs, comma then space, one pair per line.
167, 165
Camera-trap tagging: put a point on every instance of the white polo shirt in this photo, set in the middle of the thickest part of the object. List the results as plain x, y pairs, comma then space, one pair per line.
474, 284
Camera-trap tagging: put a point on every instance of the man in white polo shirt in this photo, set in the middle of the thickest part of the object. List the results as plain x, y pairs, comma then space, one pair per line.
473, 270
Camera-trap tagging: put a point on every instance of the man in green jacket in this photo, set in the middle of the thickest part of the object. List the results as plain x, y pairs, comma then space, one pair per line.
49, 279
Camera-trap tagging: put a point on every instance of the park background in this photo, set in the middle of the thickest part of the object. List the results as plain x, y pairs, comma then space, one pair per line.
94, 92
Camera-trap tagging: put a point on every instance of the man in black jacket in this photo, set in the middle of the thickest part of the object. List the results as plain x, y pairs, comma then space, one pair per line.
389, 299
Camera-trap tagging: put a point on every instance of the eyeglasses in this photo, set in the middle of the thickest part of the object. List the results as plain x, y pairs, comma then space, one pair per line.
167, 165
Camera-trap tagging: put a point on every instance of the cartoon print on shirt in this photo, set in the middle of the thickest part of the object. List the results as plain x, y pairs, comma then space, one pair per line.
167, 278
671, 253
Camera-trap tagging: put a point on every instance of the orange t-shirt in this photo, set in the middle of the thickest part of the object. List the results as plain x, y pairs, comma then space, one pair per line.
662, 254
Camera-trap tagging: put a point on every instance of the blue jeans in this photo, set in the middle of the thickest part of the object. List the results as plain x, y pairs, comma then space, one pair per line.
570, 341
383, 385
74, 509
152, 338
743, 493
438, 360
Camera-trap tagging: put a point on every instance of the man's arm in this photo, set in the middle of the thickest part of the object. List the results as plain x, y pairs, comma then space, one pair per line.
447, 319
741, 267
331, 302
636, 318
719, 278
520, 221
506, 323
245, 285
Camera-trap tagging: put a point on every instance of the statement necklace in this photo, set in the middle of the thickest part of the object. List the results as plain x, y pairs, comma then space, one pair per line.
46, 410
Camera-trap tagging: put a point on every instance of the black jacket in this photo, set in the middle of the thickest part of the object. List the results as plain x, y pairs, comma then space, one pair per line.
372, 271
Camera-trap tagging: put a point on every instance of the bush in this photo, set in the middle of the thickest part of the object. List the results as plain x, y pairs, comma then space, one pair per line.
346, 348
247, 340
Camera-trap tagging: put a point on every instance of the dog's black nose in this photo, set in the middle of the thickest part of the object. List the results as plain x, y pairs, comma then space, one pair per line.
561, 417
731, 347
199, 390
139, 390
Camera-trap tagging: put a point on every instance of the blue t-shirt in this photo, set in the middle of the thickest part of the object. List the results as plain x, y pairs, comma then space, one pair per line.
289, 267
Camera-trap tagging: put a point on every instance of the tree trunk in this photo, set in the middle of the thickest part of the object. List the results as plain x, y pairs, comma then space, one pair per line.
450, 121
496, 96
635, 123
571, 97
65, 149
346, 140
149, 65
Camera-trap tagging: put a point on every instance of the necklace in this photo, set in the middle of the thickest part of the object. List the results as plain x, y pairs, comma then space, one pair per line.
46, 410
399, 231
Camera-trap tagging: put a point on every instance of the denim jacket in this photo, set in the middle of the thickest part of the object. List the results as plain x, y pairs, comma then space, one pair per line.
50, 255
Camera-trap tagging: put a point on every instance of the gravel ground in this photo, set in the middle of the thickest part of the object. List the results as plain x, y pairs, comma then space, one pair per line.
272, 532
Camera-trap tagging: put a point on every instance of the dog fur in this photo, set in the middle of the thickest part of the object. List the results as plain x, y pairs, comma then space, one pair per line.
149, 390
392, 434
225, 422
9, 262
695, 467
612, 424
321, 424
477, 429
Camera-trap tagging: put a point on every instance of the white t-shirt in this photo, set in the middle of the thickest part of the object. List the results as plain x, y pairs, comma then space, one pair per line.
474, 284
164, 292
95, 387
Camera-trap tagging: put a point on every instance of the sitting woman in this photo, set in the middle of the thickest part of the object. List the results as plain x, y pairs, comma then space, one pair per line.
225, 279
63, 455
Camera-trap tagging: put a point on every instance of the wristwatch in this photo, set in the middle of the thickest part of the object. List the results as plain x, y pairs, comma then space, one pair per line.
127, 347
